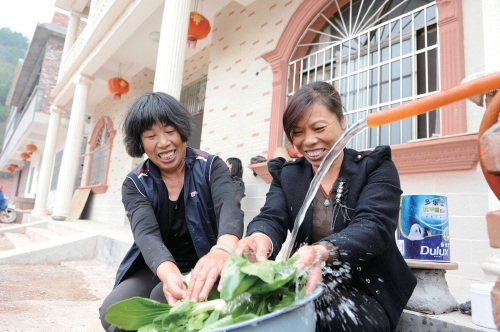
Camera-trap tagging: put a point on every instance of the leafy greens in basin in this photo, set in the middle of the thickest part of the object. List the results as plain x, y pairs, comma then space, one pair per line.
249, 290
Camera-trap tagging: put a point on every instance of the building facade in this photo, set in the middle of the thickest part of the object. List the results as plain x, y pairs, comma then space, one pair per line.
379, 54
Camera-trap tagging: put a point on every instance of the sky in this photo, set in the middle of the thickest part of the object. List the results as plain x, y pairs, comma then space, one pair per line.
23, 15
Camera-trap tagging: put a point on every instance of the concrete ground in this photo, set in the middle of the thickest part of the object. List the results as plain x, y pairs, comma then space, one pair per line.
53, 297
37, 295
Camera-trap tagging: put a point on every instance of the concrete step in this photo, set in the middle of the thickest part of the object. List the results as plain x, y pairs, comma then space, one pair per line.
38, 234
61, 228
453, 322
29, 234
5, 243
19, 240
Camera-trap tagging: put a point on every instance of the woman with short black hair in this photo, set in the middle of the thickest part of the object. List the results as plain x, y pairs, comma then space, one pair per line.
236, 170
182, 206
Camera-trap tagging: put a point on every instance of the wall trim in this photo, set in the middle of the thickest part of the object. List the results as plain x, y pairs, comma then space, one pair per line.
102, 187
96, 189
440, 154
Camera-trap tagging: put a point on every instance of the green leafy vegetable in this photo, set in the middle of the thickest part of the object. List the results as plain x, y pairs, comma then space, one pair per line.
133, 313
249, 290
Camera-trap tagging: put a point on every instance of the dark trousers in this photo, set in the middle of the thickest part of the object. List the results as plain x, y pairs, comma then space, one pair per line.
347, 309
143, 283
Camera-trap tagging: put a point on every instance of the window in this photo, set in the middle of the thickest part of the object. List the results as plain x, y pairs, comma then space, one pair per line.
24, 179
378, 54
55, 171
99, 157
101, 143
30, 181
193, 96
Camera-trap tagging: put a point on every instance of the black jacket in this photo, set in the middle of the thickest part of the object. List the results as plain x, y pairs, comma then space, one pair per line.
367, 241
239, 185
211, 209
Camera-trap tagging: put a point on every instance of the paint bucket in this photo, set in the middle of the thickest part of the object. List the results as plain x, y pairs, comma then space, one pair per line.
481, 307
423, 232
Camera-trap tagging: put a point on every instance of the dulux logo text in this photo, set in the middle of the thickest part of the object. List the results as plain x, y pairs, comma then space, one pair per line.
425, 250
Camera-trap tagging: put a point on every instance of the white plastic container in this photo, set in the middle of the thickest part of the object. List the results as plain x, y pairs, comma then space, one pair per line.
482, 309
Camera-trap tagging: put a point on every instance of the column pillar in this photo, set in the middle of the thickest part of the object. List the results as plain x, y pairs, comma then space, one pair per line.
43, 189
93, 4
71, 31
171, 49
69, 162
451, 63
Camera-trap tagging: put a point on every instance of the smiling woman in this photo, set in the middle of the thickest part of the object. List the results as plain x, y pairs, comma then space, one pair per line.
182, 206
350, 227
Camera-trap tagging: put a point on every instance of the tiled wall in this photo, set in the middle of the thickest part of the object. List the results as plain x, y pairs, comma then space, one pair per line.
238, 96
196, 66
50, 69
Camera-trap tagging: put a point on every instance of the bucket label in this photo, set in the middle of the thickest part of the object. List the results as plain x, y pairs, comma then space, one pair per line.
423, 231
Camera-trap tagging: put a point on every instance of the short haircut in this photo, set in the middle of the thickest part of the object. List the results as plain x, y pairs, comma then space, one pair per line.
307, 96
237, 168
151, 108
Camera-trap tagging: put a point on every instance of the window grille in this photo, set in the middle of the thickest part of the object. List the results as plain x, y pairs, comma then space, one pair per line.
378, 54
55, 171
30, 180
193, 96
99, 157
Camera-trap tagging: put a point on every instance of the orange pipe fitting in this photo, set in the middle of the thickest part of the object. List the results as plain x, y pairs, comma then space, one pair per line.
490, 117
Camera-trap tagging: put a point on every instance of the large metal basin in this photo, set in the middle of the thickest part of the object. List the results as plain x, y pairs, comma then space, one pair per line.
300, 316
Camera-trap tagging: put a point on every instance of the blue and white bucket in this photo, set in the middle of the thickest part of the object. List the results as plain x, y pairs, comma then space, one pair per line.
423, 231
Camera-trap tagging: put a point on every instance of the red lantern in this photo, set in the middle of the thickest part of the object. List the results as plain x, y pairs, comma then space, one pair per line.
199, 28
118, 87
14, 166
24, 156
31, 148
11, 170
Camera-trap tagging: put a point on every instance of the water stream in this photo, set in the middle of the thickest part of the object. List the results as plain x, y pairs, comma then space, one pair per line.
320, 174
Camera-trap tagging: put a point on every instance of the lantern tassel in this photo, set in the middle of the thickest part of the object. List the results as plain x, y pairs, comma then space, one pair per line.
192, 41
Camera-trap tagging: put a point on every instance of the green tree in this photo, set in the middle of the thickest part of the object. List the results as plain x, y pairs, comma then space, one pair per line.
13, 46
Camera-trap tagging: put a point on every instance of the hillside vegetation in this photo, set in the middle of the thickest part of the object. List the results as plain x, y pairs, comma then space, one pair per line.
13, 46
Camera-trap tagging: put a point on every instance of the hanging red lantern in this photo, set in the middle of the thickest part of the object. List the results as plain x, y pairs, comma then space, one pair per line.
31, 148
14, 166
118, 87
10, 169
24, 156
199, 28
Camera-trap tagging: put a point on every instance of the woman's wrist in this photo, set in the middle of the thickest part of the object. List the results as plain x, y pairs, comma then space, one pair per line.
321, 252
271, 247
332, 252
223, 247
165, 268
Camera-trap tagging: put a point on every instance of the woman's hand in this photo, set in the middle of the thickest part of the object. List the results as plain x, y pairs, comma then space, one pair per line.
310, 258
173, 286
255, 246
205, 273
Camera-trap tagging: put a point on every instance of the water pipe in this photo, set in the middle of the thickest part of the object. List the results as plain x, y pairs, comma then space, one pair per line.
434, 101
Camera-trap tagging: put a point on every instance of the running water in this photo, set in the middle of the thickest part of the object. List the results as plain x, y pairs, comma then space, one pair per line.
320, 174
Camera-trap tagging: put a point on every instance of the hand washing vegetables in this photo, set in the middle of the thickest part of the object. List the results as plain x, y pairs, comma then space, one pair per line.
249, 290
